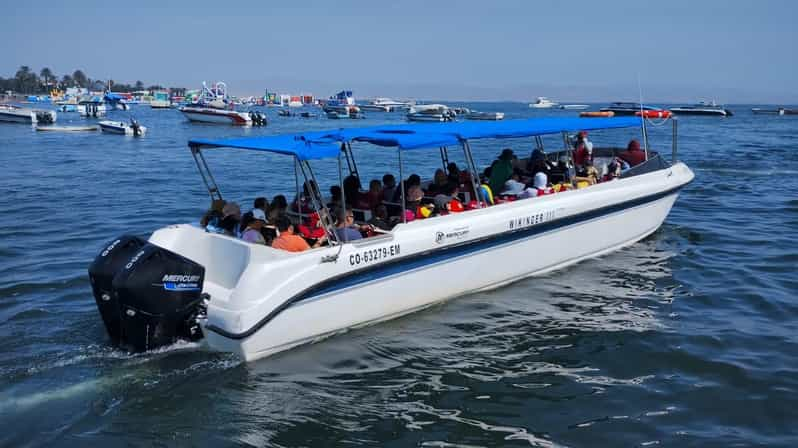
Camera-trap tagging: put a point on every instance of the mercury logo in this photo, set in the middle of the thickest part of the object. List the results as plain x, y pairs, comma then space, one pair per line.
180, 278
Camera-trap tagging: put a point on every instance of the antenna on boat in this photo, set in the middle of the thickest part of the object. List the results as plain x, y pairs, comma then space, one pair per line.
642, 116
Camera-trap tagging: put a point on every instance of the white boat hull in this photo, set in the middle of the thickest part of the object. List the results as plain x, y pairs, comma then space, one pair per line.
386, 277
117, 127
18, 117
216, 116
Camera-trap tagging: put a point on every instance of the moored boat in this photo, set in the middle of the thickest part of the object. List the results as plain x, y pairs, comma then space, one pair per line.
574, 106
92, 107
477, 115
120, 127
66, 128
15, 114
254, 300
213, 106
777, 111
631, 109
431, 112
160, 100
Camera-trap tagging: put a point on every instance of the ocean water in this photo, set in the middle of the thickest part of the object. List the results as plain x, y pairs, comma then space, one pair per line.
688, 338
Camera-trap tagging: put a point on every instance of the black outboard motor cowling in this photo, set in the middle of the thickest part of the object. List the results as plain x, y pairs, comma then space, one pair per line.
155, 295
111, 260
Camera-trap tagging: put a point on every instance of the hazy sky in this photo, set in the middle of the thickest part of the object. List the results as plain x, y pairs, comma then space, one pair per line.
733, 51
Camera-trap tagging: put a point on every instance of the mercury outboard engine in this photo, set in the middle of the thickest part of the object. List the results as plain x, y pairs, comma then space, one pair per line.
136, 127
147, 296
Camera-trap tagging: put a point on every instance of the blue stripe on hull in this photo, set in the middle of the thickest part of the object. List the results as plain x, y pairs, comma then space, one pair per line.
435, 256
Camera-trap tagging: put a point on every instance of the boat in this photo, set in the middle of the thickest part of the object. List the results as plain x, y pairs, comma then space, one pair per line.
284, 113
187, 282
597, 114
120, 127
160, 100
702, 108
543, 103
14, 114
214, 106
476, 115
92, 107
778, 111
623, 109
67, 128
385, 105
573, 106
431, 112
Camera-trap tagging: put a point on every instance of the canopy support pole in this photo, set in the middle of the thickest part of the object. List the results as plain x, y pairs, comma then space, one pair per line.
341, 182
472, 169
402, 184
296, 183
318, 201
205, 173
568, 150
351, 155
444, 158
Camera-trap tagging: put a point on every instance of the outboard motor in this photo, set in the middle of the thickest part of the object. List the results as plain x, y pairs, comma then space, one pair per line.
155, 295
136, 127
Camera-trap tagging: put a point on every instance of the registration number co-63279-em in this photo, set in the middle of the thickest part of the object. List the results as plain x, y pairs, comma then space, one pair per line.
368, 256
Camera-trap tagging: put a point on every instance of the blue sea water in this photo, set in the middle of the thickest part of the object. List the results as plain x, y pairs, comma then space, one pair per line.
688, 338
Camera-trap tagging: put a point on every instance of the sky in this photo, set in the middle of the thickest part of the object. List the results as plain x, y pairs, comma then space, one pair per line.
680, 51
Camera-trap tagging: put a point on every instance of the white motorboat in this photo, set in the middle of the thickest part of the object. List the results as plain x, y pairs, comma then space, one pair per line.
476, 115
385, 105
66, 128
543, 103
702, 108
14, 114
92, 107
213, 106
431, 112
160, 100
255, 300
120, 127
776, 111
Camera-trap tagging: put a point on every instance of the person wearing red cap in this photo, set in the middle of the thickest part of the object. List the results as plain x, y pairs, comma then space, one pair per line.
633, 154
584, 149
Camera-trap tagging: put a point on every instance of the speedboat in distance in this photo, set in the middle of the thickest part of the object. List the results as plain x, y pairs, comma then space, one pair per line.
190, 282
702, 108
543, 103
622, 109
214, 106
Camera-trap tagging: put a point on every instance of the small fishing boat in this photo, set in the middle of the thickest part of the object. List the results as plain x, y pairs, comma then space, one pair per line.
67, 128
543, 103
120, 127
385, 105
431, 112
702, 108
186, 282
14, 114
476, 115
160, 100
92, 107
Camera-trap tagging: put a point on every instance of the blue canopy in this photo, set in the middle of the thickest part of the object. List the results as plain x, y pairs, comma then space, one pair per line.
326, 144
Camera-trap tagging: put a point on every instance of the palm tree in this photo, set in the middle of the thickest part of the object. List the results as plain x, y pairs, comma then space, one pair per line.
66, 81
139, 85
47, 74
80, 78
23, 78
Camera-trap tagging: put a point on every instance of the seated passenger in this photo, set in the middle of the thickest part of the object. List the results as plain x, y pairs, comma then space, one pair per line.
352, 194
345, 228
260, 203
380, 218
335, 198
252, 232
374, 195
540, 185
290, 241
560, 172
448, 202
584, 149
304, 203
633, 154
231, 216
454, 175
439, 183
613, 170
587, 173
502, 170
210, 220
388, 187
278, 207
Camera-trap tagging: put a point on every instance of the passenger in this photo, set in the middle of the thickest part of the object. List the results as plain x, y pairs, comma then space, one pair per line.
448, 201
260, 203
502, 170
380, 218
454, 174
541, 185
345, 228
633, 154
335, 198
289, 241
388, 187
304, 203
587, 173
560, 173
210, 220
352, 194
584, 149
614, 169
278, 208
252, 232
439, 183
374, 195
231, 217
